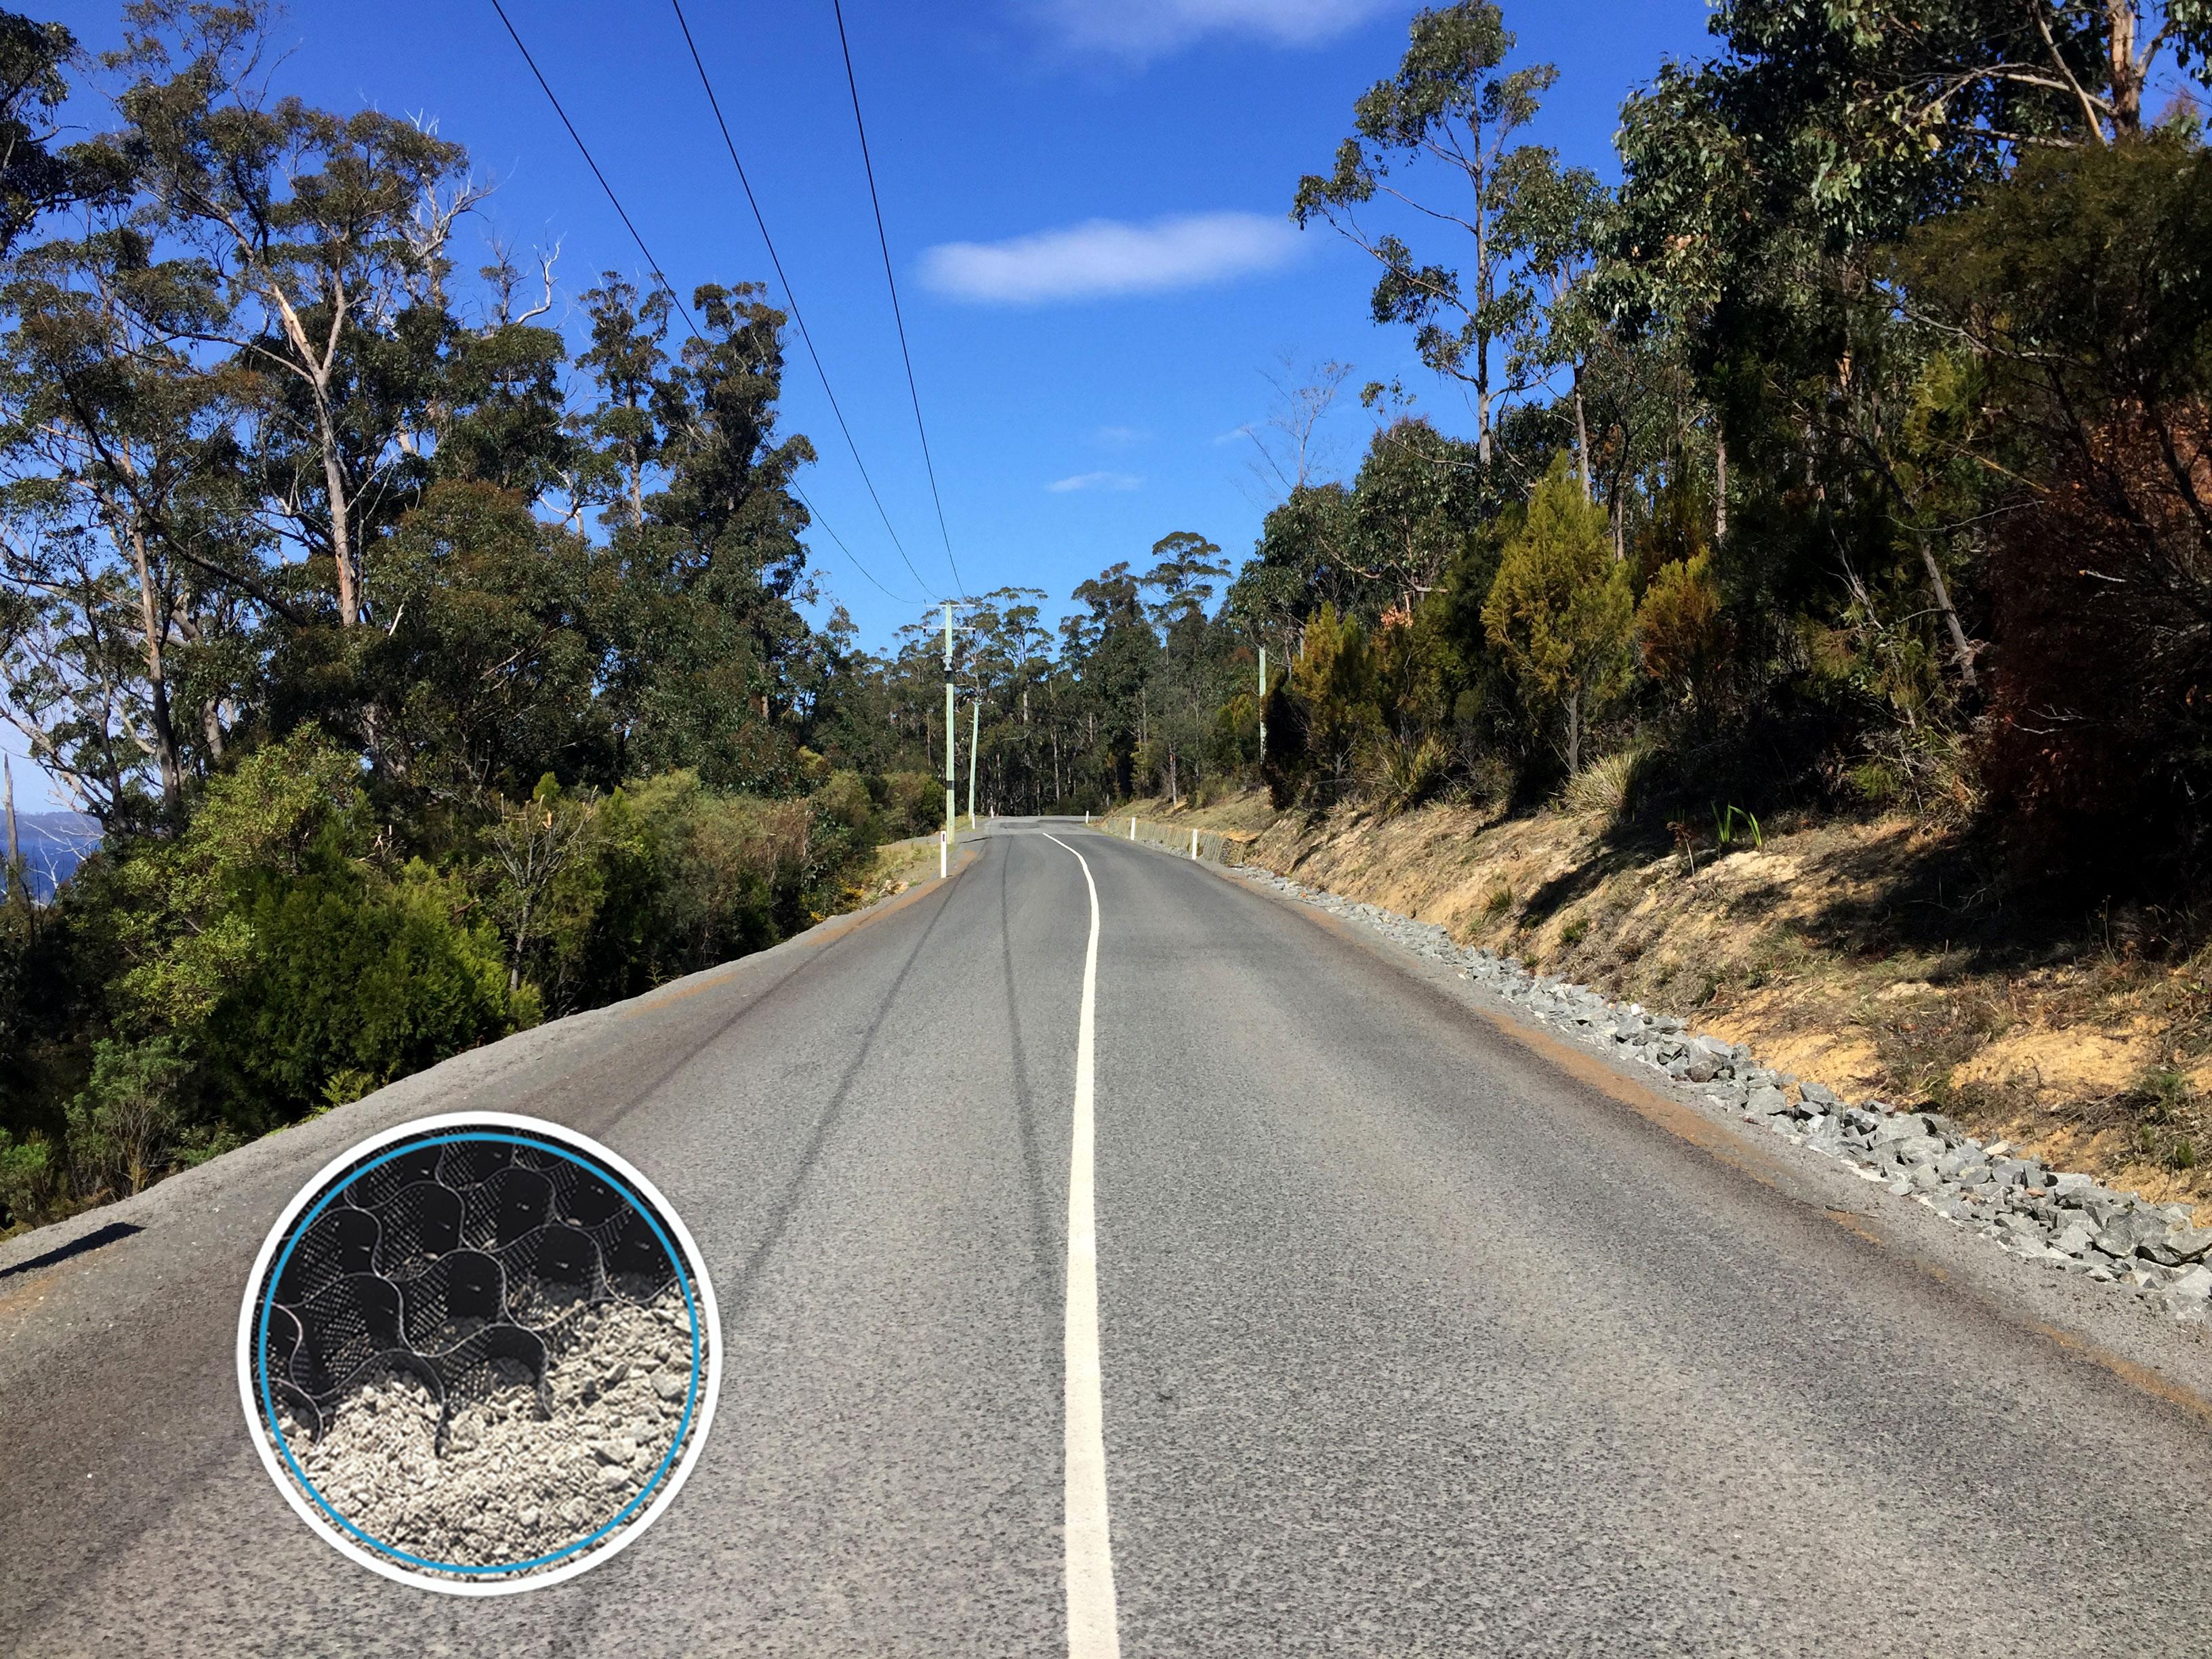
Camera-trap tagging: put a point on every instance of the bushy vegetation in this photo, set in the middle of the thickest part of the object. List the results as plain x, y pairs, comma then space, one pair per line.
418, 698
1850, 456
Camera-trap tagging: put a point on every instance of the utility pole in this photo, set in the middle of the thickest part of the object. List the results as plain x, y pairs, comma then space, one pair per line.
975, 728
950, 715
1263, 705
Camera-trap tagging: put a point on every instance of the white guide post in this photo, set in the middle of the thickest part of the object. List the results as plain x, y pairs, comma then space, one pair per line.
1263, 705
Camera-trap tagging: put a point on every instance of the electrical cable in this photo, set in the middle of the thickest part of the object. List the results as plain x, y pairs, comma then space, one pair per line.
584, 149
816, 513
790, 297
659, 276
884, 242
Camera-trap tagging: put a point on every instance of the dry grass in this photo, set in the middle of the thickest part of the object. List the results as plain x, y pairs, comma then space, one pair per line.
1601, 789
899, 865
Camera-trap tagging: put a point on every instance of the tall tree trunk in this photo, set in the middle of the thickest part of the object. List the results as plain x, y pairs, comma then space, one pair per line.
153, 636
1720, 486
2127, 78
334, 487
1582, 436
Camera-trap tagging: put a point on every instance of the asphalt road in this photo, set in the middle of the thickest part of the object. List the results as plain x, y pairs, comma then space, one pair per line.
1415, 1340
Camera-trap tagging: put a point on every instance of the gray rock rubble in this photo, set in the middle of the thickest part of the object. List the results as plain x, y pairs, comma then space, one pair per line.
524, 1471
2065, 1222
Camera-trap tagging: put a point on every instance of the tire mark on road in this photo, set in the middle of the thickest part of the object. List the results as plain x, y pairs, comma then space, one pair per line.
599, 1125
1041, 1242
779, 1217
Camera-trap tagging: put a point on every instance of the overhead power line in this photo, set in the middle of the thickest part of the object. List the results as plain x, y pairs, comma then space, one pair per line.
884, 242
660, 277
815, 513
584, 149
790, 295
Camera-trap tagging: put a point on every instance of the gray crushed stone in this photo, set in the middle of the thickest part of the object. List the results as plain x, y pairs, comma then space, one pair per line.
2062, 1222
524, 1470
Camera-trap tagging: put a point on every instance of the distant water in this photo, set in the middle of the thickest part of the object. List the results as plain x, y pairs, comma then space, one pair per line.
52, 845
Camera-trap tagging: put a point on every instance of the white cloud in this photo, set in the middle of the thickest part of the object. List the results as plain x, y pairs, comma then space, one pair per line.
1119, 437
1139, 29
1104, 256
1095, 481
1236, 434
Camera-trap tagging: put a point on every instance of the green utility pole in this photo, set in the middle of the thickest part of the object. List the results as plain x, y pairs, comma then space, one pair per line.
950, 715
974, 726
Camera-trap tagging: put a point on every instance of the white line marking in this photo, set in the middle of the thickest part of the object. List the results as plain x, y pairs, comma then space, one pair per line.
1093, 1632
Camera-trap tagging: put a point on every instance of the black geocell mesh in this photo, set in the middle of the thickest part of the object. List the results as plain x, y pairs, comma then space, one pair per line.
465, 1263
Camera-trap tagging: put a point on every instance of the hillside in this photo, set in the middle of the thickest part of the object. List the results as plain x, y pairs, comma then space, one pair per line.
1866, 956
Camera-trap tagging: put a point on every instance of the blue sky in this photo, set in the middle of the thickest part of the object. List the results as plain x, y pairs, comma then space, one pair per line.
1086, 204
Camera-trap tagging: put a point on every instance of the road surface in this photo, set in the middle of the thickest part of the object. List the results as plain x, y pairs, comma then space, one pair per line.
1414, 1339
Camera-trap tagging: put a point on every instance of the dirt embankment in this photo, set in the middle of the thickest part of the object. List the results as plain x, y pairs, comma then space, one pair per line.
1872, 957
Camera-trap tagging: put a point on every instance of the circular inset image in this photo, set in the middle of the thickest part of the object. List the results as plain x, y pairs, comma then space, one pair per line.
479, 1353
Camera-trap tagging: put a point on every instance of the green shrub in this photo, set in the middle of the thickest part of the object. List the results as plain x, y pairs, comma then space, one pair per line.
1560, 610
124, 1126
914, 804
353, 977
31, 1186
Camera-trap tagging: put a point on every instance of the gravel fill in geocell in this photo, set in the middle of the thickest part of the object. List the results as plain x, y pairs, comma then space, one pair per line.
519, 1476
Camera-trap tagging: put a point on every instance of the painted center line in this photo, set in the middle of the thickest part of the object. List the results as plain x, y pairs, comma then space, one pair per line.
1093, 1632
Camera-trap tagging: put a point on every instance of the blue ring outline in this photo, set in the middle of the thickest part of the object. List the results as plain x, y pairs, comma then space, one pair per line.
299, 1229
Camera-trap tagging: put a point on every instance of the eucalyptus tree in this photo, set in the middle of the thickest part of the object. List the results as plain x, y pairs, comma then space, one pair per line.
710, 580
36, 176
1762, 188
132, 535
627, 361
1187, 671
1556, 221
1109, 647
1418, 493
328, 235
1455, 107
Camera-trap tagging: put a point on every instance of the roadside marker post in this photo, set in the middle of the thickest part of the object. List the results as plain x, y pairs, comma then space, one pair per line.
1263, 705
943, 852
1194, 843
1132, 826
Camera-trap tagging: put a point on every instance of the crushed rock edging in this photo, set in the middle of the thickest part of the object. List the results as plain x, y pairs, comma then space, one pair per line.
2065, 1222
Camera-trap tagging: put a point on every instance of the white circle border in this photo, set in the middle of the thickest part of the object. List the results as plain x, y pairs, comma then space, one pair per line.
710, 1321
